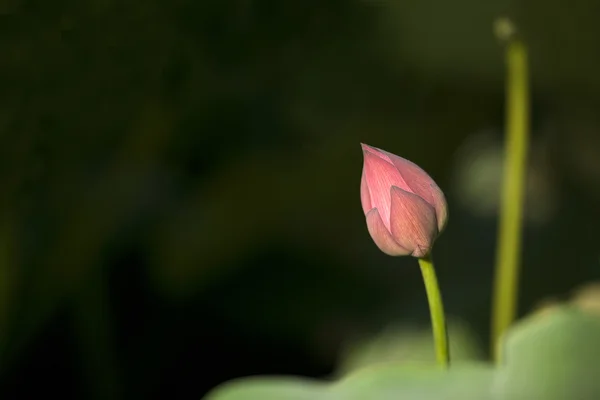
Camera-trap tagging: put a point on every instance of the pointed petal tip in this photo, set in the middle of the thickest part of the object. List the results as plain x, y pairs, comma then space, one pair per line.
374, 151
365, 147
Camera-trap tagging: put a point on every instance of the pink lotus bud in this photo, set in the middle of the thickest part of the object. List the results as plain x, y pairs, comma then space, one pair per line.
404, 207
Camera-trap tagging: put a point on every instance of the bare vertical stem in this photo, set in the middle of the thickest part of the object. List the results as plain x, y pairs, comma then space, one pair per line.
508, 254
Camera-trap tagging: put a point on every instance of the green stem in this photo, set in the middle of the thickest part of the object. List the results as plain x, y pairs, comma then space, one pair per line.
511, 209
436, 308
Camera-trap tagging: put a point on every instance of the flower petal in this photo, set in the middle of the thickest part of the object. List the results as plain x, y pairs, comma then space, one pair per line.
413, 222
375, 151
380, 176
365, 196
382, 237
420, 183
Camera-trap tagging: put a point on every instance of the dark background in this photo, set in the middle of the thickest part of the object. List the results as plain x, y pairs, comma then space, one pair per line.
179, 200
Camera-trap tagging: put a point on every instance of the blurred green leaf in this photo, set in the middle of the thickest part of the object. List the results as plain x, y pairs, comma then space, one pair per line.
410, 345
395, 381
552, 355
388, 381
272, 388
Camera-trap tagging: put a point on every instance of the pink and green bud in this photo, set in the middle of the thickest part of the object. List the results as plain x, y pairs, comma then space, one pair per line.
405, 209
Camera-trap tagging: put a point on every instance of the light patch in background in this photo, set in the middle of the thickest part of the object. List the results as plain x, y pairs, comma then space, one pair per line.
477, 179
408, 344
579, 141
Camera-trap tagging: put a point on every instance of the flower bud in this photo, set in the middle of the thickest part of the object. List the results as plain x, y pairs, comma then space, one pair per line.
404, 208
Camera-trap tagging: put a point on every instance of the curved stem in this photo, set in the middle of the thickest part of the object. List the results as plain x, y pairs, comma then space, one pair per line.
506, 279
436, 309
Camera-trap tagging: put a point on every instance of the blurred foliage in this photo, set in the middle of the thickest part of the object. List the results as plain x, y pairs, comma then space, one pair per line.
529, 370
411, 345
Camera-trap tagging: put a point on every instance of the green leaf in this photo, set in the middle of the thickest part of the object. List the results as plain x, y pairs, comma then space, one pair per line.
410, 345
386, 381
271, 388
394, 381
555, 355
552, 356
